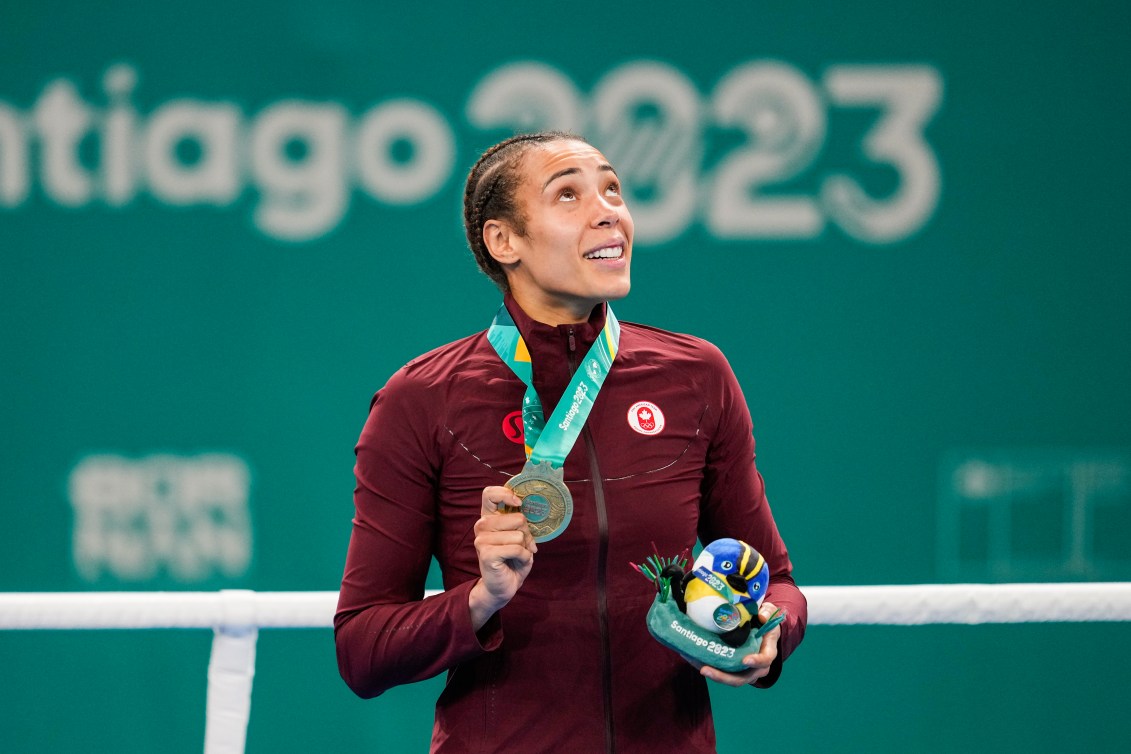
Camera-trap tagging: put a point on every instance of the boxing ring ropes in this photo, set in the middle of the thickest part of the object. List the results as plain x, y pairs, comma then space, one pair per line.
235, 617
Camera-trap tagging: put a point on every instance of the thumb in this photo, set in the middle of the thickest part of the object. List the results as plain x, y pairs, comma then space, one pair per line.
495, 498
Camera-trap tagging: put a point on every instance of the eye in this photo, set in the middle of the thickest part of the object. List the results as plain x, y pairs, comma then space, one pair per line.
567, 195
614, 189
727, 565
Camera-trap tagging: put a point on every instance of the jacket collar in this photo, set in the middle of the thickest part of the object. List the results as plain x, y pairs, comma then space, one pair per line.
552, 355
533, 331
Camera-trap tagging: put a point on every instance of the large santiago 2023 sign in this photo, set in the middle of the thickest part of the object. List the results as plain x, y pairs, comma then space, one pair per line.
304, 158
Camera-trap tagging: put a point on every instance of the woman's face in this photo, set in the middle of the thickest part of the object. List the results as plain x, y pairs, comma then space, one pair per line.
576, 250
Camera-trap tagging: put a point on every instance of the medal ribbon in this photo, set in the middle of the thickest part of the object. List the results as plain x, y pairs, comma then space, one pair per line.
551, 440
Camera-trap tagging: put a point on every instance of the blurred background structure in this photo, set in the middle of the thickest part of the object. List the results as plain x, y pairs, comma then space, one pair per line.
223, 226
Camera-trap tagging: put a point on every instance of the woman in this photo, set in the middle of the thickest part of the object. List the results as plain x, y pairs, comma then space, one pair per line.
545, 642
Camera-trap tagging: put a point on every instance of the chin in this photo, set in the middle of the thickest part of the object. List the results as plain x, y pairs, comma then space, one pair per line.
619, 292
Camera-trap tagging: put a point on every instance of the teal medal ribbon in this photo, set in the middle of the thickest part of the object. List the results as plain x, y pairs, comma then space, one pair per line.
546, 501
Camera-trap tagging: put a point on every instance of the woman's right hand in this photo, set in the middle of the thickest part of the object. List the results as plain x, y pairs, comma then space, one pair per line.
506, 553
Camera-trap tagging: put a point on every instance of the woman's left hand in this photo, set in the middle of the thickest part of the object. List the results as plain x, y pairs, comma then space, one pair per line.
758, 663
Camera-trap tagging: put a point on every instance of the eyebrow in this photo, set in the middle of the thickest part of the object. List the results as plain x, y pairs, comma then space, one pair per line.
603, 167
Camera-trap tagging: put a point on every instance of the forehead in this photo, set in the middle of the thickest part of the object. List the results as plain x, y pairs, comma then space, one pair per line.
546, 160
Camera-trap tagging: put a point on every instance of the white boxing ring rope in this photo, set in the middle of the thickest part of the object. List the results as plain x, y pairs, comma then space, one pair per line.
235, 616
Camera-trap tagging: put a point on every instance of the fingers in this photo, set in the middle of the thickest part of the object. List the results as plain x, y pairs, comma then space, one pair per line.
767, 650
758, 665
732, 679
495, 498
501, 536
509, 558
494, 540
767, 612
761, 660
496, 520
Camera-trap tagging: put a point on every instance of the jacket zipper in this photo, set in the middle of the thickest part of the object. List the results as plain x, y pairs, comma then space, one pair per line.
602, 597
602, 559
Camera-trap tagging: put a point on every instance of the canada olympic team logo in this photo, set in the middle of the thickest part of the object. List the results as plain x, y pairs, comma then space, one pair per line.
646, 418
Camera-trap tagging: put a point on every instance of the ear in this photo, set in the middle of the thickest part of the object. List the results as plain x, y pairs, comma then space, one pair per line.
499, 240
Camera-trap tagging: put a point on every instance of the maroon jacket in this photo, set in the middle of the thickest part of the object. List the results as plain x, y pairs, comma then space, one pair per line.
569, 664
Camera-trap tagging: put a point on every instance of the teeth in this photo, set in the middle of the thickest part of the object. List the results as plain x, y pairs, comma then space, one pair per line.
610, 252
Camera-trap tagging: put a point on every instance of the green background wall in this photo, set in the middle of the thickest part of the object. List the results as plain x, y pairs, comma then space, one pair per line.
222, 226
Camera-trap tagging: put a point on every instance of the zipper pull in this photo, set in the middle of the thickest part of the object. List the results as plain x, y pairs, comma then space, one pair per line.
572, 342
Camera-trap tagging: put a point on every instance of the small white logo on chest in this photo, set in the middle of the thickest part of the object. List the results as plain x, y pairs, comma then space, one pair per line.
593, 369
646, 418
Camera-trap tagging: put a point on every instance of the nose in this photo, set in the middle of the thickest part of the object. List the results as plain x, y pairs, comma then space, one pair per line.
605, 214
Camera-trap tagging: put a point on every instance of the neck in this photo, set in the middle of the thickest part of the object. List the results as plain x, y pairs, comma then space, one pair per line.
554, 313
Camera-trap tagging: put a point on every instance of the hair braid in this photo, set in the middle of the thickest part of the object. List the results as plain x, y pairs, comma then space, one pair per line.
489, 194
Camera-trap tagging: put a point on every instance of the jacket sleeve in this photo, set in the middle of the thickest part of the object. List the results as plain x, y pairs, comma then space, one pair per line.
385, 632
734, 505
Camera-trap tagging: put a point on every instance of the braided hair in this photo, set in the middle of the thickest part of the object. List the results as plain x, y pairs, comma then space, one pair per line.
489, 194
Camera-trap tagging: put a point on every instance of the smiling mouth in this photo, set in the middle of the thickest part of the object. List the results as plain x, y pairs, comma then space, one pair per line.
607, 252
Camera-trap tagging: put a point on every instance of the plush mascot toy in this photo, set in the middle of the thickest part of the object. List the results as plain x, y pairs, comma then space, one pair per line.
725, 588
709, 614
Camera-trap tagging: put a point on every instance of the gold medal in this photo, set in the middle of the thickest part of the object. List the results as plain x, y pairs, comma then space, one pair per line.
546, 501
